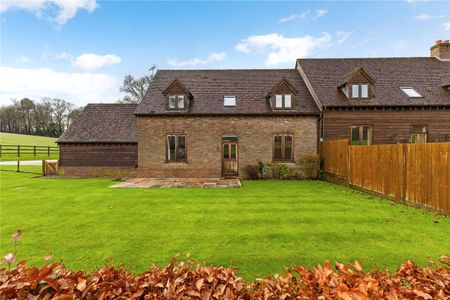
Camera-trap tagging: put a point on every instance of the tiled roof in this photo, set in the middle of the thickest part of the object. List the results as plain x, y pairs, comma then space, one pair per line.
208, 88
103, 123
425, 74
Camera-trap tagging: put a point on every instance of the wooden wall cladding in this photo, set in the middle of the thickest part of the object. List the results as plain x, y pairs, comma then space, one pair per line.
98, 155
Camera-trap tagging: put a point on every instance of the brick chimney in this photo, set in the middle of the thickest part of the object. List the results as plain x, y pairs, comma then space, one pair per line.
441, 49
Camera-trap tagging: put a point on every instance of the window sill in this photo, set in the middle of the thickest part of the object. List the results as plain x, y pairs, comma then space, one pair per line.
176, 162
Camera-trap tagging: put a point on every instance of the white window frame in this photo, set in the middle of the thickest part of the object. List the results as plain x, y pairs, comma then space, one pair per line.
410, 92
229, 101
280, 101
355, 87
180, 97
366, 94
287, 96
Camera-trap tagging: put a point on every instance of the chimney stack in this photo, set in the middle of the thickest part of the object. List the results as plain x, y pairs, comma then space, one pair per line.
441, 50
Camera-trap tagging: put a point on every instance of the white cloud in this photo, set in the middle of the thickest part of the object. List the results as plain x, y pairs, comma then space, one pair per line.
321, 12
79, 88
213, 57
91, 61
24, 59
416, 1
58, 11
342, 36
64, 56
446, 25
423, 17
283, 49
427, 17
290, 18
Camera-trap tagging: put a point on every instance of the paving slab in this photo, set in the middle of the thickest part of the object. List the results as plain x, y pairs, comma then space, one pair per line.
179, 183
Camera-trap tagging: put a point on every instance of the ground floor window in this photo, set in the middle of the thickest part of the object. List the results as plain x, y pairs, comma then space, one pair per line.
361, 135
418, 134
176, 147
282, 147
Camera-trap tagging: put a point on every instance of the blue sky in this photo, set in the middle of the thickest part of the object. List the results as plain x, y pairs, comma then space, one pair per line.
80, 50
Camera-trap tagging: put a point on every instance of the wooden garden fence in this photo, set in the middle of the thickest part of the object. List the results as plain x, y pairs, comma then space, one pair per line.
418, 174
27, 150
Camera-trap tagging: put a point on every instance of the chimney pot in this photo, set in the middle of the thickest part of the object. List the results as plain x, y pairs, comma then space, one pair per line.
441, 50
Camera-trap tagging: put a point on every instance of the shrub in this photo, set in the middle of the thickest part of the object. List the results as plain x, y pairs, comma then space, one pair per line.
188, 280
252, 172
310, 165
262, 170
280, 171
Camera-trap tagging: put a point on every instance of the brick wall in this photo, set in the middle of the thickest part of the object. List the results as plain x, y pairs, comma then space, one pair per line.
204, 137
102, 172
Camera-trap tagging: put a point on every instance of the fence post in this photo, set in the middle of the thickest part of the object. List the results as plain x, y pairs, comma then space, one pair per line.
0, 150
48, 151
18, 166
405, 157
18, 150
34, 150
43, 167
348, 166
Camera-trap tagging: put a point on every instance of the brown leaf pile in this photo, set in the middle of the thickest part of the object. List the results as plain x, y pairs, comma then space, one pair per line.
186, 280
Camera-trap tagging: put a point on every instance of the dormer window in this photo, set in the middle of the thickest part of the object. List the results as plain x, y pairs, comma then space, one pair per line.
360, 91
282, 96
176, 101
229, 101
283, 101
357, 85
410, 92
177, 96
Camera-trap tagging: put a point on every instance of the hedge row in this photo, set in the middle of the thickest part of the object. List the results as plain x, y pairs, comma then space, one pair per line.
188, 280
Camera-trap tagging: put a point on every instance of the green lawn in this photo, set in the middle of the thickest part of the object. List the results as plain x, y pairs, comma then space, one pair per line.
28, 140
23, 139
259, 229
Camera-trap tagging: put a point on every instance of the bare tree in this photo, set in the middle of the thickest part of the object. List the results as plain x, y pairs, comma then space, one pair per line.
136, 88
26, 108
49, 117
60, 111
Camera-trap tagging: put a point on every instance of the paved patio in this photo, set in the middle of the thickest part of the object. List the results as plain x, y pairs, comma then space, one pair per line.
179, 183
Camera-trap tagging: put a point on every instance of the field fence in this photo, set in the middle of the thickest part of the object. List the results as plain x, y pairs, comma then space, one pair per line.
27, 150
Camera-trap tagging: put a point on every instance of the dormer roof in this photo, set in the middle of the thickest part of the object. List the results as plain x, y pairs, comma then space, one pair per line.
176, 82
358, 71
283, 81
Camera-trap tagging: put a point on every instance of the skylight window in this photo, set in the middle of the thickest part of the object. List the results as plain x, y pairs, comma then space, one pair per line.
229, 101
410, 92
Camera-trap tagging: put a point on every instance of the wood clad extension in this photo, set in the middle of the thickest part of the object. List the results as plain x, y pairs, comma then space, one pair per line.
98, 155
388, 125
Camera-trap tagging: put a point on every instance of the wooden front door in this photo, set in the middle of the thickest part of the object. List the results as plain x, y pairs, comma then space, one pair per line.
229, 159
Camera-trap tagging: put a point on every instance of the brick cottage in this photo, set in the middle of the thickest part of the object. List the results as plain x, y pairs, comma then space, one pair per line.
216, 123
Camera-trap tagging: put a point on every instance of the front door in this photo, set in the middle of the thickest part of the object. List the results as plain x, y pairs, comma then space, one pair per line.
229, 159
